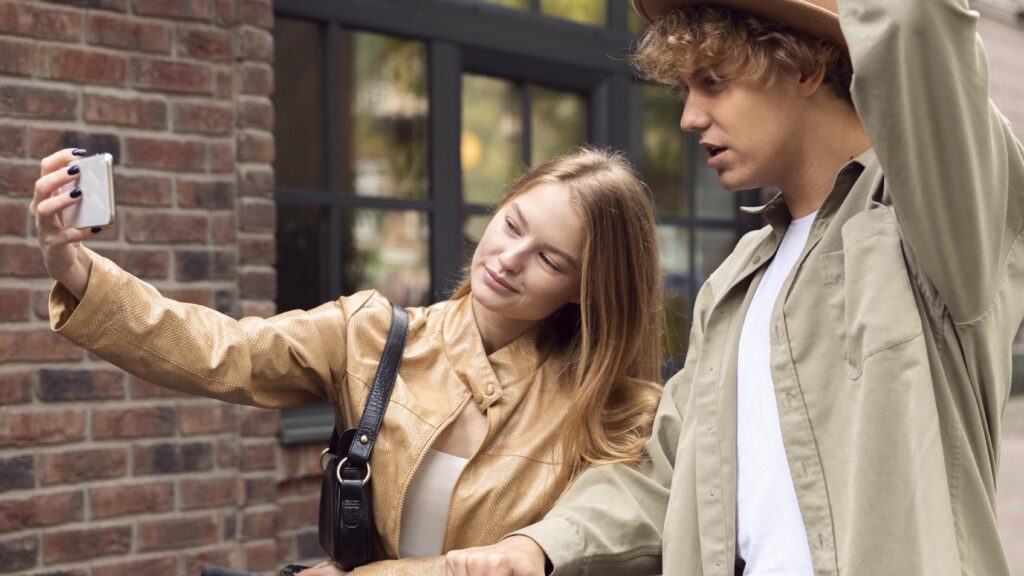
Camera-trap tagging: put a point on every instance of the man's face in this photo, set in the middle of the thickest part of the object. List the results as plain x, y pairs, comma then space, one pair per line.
745, 127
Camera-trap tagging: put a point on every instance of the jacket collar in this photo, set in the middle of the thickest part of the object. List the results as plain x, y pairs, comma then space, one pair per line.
485, 376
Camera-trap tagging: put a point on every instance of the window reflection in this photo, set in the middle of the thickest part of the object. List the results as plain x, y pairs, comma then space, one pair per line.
674, 247
387, 250
524, 4
712, 200
664, 151
299, 103
301, 262
492, 137
592, 12
384, 106
558, 122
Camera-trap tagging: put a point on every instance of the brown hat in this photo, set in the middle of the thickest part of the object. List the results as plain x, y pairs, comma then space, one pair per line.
814, 17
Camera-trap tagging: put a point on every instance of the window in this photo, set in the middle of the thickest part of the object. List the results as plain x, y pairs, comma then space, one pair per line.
399, 123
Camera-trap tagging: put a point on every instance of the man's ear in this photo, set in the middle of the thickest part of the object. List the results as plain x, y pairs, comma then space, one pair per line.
811, 81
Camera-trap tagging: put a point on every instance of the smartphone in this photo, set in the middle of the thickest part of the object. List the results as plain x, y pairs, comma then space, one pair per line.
96, 179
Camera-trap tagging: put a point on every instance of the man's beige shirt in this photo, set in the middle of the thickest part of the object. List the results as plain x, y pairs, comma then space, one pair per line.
890, 343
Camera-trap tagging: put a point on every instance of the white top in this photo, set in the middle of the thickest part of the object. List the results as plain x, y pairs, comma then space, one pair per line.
425, 511
770, 533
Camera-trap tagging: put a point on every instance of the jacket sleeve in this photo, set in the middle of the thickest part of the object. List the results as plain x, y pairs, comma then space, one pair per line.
420, 566
611, 519
953, 168
286, 360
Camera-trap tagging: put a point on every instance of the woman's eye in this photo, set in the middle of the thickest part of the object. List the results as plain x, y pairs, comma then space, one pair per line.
550, 263
510, 226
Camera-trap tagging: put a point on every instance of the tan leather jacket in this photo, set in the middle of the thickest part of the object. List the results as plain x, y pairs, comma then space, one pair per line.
331, 353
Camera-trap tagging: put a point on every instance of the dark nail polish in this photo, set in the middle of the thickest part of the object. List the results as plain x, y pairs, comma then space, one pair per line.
97, 230
78, 152
76, 192
73, 170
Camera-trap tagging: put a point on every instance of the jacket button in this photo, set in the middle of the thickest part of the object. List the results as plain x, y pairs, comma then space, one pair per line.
490, 389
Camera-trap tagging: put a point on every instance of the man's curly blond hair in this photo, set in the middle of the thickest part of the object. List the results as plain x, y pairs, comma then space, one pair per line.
730, 44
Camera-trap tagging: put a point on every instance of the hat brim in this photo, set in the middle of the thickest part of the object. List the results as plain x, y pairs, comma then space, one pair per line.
797, 14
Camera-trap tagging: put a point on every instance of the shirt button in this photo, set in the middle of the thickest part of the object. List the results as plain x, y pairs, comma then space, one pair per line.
489, 389
757, 259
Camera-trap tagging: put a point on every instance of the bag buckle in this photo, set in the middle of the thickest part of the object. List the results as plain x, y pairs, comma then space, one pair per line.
337, 471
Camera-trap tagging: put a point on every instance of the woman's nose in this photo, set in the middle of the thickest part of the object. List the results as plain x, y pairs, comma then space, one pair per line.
511, 259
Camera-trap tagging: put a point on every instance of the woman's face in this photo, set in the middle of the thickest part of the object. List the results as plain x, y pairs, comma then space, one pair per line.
527, 264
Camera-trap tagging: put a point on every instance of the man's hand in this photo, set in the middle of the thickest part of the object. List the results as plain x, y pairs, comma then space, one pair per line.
514, 556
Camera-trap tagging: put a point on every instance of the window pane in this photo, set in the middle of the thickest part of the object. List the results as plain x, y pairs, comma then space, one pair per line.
593, 12
712, 200
712, 248
492, 137
384, 106
558, 122
674, 244
664, 153
635, 21
524, 4
301, 261
387, 250
299, 109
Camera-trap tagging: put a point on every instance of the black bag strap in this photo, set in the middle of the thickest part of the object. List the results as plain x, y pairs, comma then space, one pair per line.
380, 394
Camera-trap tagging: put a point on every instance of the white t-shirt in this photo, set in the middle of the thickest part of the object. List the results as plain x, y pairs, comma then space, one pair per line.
426, 504
770, 533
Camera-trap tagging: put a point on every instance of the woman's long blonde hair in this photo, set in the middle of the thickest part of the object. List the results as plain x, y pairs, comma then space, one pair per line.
611, 340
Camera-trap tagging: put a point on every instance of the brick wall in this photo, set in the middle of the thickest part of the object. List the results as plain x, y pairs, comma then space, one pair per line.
102, 473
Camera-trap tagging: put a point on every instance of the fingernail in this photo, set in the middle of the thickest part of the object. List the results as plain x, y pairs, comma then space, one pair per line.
78, 152
73, 170
76, 192
97, 229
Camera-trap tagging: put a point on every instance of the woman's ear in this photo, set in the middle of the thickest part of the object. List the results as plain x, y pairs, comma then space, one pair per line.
811, 81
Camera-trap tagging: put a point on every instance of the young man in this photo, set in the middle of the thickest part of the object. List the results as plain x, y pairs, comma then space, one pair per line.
839, 411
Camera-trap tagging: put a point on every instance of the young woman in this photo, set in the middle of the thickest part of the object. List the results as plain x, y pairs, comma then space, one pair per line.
543, 362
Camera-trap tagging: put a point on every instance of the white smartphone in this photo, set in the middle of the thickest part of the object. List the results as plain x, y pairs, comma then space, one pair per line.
96, 179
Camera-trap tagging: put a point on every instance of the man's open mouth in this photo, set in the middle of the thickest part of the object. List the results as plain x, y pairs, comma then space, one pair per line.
714, 150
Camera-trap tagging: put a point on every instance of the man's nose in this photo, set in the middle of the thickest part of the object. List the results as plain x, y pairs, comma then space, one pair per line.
695, 117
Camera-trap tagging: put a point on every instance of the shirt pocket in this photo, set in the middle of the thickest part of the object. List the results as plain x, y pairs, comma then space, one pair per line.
871, 302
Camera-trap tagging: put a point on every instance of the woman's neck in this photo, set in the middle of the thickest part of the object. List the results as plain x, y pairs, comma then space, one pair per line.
498, 331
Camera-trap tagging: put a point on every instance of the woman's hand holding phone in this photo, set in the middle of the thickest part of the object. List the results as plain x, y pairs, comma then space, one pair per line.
63, 256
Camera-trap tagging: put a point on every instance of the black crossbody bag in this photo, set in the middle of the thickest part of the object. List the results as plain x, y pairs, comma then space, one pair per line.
347, 531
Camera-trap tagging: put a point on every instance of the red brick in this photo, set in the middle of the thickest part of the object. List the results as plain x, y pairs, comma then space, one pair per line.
15, 304
223, 229
79, 385
200, 296
12, 140
18, 553
258, 309
222, 157
256, 147
194, 118
206, 419
85, 543
36, 102
260, 490
200, 44
255, 113
225, 13
81, 65
176, 533
36, 346
257, 183
40, 21
260, 422
258, 285
209, 492
41, 427
220, 556
259, 524
256, 79
172, 458
16, 57
40, 510
262, 456
131, 33
168, 228
258, 216
211, 194
299, 513
260, 556
255, 45
45, 141
142, 113
257, 250
259, 13
147, 264
143, 389
156, 566
122, 499
180, 9
133, 190
76, 466
17, 473
144, 422
21, 260
13, 222
165, 154
171, 76
224, 85
15, 387
227, 452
